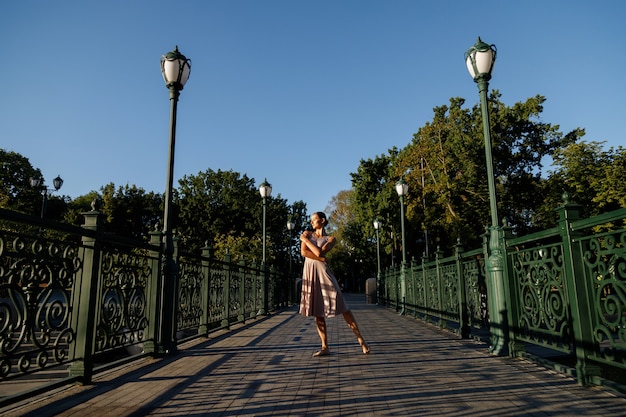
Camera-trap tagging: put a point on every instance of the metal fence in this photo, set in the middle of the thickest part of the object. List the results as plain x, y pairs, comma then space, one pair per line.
76, 299
564, 291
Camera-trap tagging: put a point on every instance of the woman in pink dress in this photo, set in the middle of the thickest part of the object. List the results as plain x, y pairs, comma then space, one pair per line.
321, 295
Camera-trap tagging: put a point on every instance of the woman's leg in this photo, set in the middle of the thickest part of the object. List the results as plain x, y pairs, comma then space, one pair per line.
349, 318
320, 322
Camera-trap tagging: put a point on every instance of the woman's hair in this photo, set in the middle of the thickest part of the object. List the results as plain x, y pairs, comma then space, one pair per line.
322, 215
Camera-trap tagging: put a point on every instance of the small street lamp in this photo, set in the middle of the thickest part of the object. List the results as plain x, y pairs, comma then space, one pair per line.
290, 226
402, 189
38, 183
175, 68
479, 60
265, 189
377, 226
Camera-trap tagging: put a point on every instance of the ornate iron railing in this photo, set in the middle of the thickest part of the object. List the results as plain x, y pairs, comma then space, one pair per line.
566, 293
74, 299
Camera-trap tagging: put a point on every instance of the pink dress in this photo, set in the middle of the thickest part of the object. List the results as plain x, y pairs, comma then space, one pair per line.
321, 295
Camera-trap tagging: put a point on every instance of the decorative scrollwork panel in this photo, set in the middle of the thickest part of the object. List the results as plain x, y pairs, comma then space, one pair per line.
37, 277
122, 316
544, 317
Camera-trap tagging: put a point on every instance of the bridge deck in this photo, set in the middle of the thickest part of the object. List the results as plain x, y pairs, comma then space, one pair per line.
266, 369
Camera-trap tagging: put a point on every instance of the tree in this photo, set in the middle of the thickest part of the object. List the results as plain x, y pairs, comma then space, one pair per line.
445, 165
224, 210
596, 178
16, 192
214, 204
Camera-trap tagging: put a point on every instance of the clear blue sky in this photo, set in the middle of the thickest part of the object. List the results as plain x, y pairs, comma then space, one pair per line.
294, 91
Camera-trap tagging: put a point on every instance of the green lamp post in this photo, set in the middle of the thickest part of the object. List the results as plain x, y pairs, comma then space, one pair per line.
175, 68
480, 59
290, 226
265, 189
402, 189
377, 225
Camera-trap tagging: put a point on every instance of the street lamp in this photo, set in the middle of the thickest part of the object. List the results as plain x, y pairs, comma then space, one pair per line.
377, 226
402, 189
290, 226
480, 59
175, 68
39, 183
265, 189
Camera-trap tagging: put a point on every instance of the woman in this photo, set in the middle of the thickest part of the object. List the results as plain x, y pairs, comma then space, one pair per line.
321, 296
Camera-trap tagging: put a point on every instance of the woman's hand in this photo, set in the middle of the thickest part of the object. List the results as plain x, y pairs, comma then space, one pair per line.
306, 235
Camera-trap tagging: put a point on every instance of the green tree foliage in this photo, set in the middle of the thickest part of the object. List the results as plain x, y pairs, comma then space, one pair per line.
131, 211
444, 166
16, 192
224, 209
213, 204
595, 177
128, 210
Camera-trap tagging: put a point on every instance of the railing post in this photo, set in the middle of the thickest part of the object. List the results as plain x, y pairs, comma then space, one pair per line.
424, 288
226, 291
154, 300
242, 290
85, 303
512, 298
493, 242
203, 330
443, 323
464, 327
413, 280
255, 279
578, 292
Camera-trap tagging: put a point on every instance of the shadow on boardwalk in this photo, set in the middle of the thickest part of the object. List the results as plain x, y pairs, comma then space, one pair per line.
266, 369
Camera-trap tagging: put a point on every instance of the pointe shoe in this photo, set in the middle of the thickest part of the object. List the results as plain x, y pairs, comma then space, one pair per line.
366, 349
323, 352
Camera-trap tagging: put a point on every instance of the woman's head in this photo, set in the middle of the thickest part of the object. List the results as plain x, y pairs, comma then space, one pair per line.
319, 216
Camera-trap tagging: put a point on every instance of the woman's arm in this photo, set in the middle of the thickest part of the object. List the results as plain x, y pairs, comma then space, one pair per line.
309, 249
306, 252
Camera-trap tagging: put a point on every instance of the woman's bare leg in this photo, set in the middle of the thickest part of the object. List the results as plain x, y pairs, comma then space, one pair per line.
349, 318
320, 322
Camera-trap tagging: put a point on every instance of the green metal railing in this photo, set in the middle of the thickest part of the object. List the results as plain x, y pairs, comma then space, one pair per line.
565, 293
75, 299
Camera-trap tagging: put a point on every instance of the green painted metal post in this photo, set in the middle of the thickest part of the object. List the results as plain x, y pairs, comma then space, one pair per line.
403, 266
85, 300
464, 327
480, 69
242, 290
203, 329
438, 255
579, 293
154, 293
255, 282
226, 291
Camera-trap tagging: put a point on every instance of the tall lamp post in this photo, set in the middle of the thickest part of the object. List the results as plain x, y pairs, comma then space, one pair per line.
290, 226
377, 225
480, 59
265, 189
175, 68
402, 189
38, 183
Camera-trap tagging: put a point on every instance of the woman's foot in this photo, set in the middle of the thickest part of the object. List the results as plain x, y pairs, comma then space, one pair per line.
366, 349
323, 352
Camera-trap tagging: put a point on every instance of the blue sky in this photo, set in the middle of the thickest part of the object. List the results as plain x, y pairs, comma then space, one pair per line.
297, 92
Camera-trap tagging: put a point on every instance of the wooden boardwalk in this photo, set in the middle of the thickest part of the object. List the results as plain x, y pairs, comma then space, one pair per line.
265, 368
